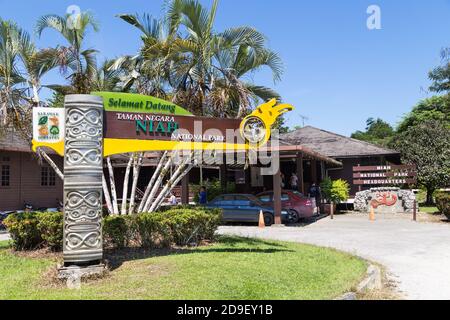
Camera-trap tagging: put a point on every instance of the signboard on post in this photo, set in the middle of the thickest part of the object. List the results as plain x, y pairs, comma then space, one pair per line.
48, 124
384, 175
95, 126
139, 123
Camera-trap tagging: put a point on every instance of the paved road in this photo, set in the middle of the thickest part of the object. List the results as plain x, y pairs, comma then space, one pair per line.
4, 236
416, 255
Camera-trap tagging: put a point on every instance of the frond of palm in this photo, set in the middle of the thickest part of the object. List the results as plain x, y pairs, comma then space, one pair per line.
105, 78
243, 49
230, 99
72, 27
127, 68
81, 62
57, 23
90, 61
13, 81
243, 35
262, 93
39, 63
9, 51
197, 20
149, 26
63, 57
200, 39
61, 89
263, 58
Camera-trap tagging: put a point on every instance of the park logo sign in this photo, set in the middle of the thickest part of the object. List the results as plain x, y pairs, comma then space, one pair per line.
137, 123
48, 125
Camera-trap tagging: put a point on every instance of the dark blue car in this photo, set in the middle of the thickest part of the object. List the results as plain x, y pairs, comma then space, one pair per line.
245, 208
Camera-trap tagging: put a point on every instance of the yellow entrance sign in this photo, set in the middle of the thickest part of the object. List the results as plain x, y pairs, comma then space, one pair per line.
127, 132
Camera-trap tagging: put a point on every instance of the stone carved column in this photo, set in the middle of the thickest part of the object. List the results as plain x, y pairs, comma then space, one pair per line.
83, 165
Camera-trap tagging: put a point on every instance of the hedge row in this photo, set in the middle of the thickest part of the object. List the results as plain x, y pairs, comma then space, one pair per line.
180, 226
34, 230
443, 203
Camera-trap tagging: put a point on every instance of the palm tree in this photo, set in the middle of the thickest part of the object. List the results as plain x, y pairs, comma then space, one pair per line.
21, 68
77, 63
211, 81
148, 71
182, 57
206, 72
11, 79
242, 54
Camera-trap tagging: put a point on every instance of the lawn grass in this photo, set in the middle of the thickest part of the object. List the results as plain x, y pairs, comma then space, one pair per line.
233, 268
429, 209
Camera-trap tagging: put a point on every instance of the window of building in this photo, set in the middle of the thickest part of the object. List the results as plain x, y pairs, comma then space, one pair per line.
48, 177
6, 175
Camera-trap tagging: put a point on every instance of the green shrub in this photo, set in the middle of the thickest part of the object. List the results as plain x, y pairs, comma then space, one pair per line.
325, 187
117, 231
335, 191
191, 226
32, 230
180, 225
50, 227
23, 230
152, 230
443, 203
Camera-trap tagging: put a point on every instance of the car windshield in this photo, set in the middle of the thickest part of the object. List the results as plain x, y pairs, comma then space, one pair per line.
255, 200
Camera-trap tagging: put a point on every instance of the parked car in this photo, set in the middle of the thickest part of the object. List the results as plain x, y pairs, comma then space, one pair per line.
246, 208
299, 205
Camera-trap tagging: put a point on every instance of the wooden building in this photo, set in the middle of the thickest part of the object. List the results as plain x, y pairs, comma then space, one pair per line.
24, 179
309, 152
350, 152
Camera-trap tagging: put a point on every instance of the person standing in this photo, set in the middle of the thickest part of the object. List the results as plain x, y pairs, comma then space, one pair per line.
315, 192
294, 181
202, 196
173, 200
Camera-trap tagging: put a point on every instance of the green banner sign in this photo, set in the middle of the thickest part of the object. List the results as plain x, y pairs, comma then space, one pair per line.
128, 102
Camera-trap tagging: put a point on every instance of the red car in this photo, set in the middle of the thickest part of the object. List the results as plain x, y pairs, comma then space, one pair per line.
293, 201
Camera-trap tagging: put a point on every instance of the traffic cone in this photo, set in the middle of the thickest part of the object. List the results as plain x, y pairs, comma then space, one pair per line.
261, 223
372, 214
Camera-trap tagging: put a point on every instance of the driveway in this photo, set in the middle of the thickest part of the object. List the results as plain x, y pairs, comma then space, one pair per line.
416, 255
4, 236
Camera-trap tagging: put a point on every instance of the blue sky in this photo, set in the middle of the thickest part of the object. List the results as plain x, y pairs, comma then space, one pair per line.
337, 72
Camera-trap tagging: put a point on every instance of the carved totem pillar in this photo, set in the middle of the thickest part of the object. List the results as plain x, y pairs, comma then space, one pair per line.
83, 166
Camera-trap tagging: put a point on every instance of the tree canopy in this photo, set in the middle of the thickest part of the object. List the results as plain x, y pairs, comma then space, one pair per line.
377, 131
205, 71
427, 145
434, 108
